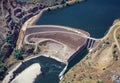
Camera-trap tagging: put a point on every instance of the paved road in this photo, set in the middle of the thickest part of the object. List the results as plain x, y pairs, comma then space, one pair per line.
114, 34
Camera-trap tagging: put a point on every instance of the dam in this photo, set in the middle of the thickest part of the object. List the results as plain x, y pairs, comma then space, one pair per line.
69, 40
62, 45
59, 45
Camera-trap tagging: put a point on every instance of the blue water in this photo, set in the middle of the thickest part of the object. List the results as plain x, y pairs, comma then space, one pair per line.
50, 69
94, 16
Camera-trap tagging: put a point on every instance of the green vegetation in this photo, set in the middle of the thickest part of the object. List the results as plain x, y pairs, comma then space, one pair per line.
118, 36
42, 43
10, 39
114, 52
18, 54
3, 69
115, 46
89, 64
99, 82
5, 51
49, 9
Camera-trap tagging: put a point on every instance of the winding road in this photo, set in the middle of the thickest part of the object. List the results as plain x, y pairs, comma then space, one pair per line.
114, 34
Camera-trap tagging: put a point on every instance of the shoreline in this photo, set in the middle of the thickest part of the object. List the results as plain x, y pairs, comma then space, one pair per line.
53, 8
23, 75
10, 75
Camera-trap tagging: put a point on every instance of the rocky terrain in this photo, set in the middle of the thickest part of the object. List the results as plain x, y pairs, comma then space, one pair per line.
13, 14
101, 65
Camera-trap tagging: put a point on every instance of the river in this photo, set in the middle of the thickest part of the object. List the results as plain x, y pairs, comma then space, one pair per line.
50, 69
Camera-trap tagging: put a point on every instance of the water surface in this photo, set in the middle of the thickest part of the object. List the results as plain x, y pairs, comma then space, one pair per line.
94, 16
50, 69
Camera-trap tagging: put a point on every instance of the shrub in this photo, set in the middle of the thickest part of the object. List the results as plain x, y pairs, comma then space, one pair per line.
99, 82
115, 46
18, 54
3, 69
9, 39
49, 9
114, 52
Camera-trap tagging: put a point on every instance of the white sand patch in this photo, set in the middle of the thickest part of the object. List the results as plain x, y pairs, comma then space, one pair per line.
28, 75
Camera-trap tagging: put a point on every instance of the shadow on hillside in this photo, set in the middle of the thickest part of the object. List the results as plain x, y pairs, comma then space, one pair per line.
77, 59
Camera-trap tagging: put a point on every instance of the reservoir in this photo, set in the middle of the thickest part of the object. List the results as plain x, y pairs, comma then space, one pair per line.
93, 16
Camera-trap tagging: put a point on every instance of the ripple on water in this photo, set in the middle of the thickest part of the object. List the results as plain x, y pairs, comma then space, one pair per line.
50, 69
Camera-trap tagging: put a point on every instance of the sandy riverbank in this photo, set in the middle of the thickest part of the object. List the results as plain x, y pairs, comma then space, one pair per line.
28, 75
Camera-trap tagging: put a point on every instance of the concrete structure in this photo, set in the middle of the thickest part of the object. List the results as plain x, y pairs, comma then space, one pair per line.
91, 43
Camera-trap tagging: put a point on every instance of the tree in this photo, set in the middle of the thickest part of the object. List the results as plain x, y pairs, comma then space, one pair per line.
114, 52
9, 39
3, 69
100, 82
115, 46
49, 9
18, 54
